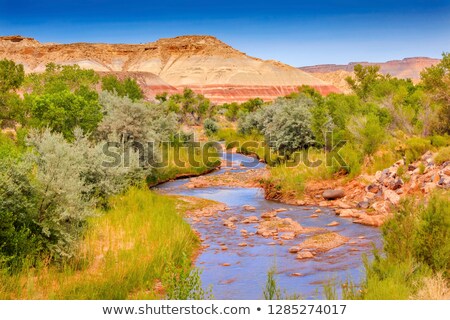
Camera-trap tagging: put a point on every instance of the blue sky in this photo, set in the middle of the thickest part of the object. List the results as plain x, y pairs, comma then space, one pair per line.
295, 32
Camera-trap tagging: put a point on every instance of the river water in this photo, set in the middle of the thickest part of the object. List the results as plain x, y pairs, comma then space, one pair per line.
246, 275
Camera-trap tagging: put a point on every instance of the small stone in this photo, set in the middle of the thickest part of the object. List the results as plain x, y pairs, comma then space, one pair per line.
296, 274
233, 219
243, 244
248, 208
269, 215
288, 236
373, 188
314, 215
271, 244
304, 255
318, 211
251, 219
226, 264
280, 210
294, 249
301, 203
224, 248
363, 204
333, 224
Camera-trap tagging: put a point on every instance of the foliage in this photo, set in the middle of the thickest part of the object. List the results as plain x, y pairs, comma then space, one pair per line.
415, 148
57, 78
11, 78
416, 245
210, 126
132, 246
135, 121
367, 132
128, 87
64, 111
285, 124
365, 76
184, 283
436, 82
63, 98
442, 156
192, 108
271, 291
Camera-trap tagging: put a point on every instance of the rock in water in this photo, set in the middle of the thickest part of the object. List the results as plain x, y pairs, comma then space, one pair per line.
333, 194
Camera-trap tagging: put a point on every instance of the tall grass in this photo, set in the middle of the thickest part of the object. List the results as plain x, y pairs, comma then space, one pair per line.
183, 161
125, 253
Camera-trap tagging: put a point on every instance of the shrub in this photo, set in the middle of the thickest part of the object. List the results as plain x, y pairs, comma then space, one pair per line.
367, 132
442, 156
432, 237
135, 121
415, 148
352, 159
210, 126
286, 124
440, 141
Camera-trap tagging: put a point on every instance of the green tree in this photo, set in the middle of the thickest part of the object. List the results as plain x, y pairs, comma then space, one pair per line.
436, 82
64, 111
365, 78
11, 78
125, 88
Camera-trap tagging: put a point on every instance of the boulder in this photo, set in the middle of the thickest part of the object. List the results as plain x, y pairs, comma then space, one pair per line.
333, 194
391, 196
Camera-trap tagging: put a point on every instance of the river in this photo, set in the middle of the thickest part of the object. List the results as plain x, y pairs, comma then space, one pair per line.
246, 274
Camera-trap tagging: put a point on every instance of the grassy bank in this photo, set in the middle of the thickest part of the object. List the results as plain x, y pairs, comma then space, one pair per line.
125, 253
183, 162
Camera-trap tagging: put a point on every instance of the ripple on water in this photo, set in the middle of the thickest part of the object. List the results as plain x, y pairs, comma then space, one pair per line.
240, 272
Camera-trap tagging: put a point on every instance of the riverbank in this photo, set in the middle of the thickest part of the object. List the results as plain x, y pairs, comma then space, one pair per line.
126, 253
366, 199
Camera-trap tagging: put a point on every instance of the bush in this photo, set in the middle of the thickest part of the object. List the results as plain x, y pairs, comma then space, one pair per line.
367, 132
210, 126
416, 247
440, 141
432, 237
415, 148
442, 156
352, 161
137, 121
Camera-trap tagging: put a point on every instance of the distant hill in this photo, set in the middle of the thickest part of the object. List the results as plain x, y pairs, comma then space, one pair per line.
405, 68
408, 68
203, 63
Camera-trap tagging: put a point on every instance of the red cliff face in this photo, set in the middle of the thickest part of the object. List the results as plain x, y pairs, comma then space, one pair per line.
202, 63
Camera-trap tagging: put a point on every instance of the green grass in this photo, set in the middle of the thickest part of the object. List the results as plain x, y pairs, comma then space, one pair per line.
442, 155
125, 253
179, 164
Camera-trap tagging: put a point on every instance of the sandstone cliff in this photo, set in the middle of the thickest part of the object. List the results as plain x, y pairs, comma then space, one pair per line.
202, 63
